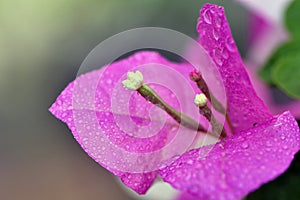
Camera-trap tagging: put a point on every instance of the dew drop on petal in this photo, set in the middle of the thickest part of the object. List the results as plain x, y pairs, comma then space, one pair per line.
216, 34
248, 133
213, 10
225, 54
241, 138
109, 81
230, 44
285, 147
269, 143
140, 160
218, 22
207, 16
190, 162
282, 137
245, 145
217, 57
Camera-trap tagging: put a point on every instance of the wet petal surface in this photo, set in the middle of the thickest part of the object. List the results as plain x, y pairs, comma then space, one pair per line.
118, 128
244, 106
239, 164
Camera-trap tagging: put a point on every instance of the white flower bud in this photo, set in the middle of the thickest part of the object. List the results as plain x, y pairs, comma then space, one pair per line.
200, 100
134, 80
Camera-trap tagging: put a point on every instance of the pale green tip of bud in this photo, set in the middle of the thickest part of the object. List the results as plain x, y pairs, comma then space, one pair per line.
200, 100
134, 80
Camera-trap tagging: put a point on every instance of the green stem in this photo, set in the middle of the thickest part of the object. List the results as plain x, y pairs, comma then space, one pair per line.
150, 95
216, 125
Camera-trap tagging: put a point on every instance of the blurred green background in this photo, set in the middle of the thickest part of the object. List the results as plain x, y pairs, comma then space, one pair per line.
42, 44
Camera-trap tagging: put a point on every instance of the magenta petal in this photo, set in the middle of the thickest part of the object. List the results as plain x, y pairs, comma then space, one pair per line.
239, 164
117, 132
244, 107
138, 182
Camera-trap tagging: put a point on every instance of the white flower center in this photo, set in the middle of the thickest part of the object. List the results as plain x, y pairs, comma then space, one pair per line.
134, 80
200, 100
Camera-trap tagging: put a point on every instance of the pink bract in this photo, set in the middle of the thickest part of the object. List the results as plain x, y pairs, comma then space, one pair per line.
261, 148
86, 107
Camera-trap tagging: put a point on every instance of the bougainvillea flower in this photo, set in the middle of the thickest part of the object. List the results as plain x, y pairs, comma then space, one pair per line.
259, 147
262, 146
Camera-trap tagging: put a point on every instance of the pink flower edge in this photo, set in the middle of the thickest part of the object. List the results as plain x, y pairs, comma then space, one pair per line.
85, 105
239, 164
245, 108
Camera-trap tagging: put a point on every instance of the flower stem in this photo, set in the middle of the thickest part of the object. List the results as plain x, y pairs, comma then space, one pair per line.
196, 76
216, 125
198, 79
150, 95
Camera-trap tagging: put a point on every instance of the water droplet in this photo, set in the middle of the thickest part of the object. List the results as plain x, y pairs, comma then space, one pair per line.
59, 102
262, 167
213, 10
190, 162
268, 149
269, 143
241, 138
245, 145
248, 133
218, 22
225, 54
207, 16
223, 184
216, 34
217, 57
140, 160
285, 147
175, 157
202, 32
194, 189
230, 44
108, 81
85, 141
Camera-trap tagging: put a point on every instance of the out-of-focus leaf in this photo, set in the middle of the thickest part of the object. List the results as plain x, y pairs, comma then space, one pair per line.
286, 74
292, 18
291, 47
